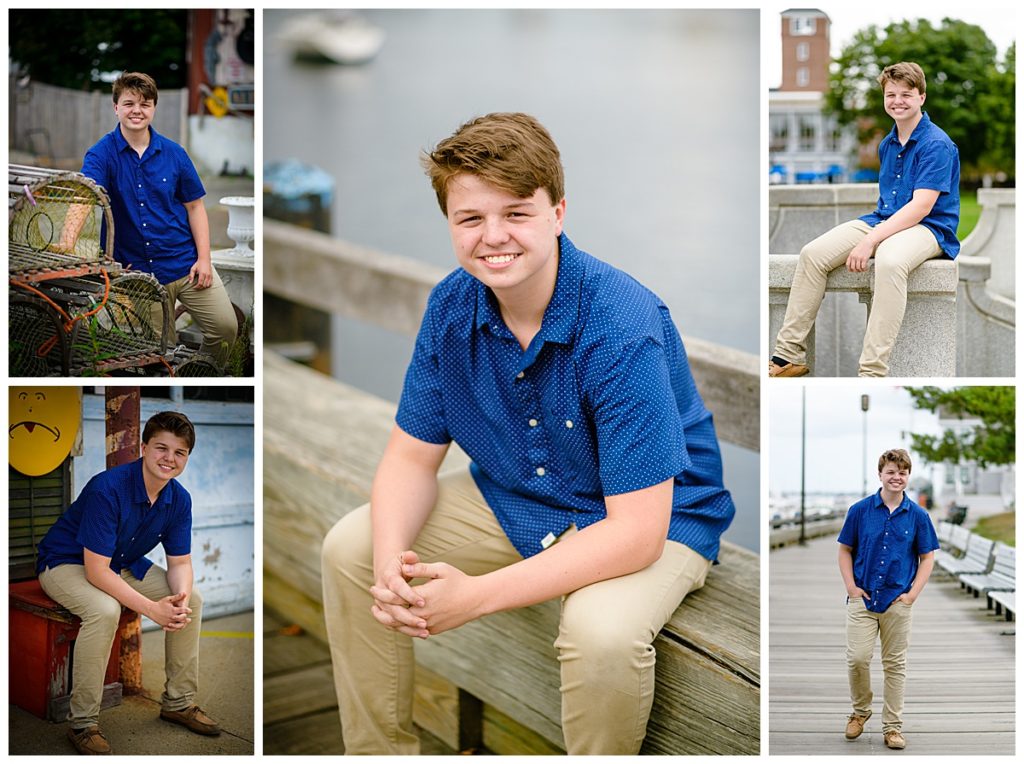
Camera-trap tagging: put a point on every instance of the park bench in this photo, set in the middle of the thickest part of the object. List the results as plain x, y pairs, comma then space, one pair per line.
1004, 600
955, 545
1000, 578
977, 557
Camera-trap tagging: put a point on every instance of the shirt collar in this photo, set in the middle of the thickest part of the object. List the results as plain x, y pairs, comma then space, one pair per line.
560, 315
155, 140
915, 136
905, 504
139, 493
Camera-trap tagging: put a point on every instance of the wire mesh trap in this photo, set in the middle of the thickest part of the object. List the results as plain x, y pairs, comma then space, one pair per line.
55, 220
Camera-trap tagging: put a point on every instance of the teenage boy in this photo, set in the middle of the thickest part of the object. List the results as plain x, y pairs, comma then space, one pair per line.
595, 476
886, 553
156, 198
92, 562
916, 219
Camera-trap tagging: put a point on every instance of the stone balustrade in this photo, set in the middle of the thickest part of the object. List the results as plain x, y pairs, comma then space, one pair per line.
926, 345
985, 308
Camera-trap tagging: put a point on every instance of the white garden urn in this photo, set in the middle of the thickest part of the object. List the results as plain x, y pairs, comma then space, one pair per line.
241, 223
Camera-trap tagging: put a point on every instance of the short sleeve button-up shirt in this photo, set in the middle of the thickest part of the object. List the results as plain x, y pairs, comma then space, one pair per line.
147, 197
601, 403
886, 547
929, 160
113, 518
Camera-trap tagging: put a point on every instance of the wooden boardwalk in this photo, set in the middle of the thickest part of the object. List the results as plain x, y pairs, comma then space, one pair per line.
300, 711
960, 669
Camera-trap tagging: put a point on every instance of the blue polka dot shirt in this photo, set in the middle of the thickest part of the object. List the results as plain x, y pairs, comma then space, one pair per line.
601, 403
113, 518
886, 547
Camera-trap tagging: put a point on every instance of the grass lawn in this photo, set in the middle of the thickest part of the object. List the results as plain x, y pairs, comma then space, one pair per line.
970, 210
998, 527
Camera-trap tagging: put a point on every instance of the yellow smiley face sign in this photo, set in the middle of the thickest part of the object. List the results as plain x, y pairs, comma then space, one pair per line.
44, 422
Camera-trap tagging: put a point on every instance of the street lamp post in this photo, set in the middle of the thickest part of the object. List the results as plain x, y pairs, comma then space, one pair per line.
864, 404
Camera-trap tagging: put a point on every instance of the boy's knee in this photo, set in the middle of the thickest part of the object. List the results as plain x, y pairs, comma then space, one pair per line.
104, 612
604, 645
348, 545
195, 601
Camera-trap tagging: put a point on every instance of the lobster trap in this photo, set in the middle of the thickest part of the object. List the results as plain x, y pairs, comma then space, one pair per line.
59, 224
89, 326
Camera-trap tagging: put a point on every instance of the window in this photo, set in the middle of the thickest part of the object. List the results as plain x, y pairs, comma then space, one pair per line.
802, 26
779, 132
808, 133
803, 77
803, 51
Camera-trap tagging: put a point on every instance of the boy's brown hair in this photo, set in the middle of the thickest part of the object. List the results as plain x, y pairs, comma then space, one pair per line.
138, 82
897, 456
907, 72
173, 422
511, 151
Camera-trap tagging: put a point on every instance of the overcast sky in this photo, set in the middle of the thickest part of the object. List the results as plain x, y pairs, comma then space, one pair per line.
998, 21
835, 451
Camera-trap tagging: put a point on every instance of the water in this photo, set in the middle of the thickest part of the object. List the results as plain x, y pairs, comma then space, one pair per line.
656, 114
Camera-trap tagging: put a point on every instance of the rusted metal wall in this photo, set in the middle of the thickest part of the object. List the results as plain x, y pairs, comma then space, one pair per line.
220, 478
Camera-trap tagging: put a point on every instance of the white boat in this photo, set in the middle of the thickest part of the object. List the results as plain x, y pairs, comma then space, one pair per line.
338, 36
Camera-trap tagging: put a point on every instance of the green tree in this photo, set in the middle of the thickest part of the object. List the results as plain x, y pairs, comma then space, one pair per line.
75, 48
989, 443
970, 91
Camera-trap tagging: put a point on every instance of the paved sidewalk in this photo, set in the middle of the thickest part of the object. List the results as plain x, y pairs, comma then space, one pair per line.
134, 728
960, 668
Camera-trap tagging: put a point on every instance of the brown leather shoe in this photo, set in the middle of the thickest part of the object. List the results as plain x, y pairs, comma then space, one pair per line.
788, 370
89, 741
894, 739
194, 718
855, 725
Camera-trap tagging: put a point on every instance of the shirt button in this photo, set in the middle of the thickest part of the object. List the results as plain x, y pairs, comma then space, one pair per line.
568, 423
520, 375
540, 472
533, 423
142, 204
140, 185
143, 225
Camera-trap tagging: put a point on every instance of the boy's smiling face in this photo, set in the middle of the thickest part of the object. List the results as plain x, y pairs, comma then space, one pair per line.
902, 102
508, 243
134, 113
894, 478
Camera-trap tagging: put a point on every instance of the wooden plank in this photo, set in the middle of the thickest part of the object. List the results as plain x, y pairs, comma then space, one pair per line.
283, 653
298, 693
317, 734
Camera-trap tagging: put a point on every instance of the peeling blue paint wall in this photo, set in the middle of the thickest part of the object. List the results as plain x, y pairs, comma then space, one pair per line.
219, 476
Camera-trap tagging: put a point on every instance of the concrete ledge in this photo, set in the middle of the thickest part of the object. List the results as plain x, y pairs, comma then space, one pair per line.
926, 345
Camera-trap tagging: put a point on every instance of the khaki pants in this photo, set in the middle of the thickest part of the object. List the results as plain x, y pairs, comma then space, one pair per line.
100, 614
863, 627
604, 638
211, 311
894, 259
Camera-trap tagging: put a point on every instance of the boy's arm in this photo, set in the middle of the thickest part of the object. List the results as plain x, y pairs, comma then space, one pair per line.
199, 223
631, 537
925, 563
169, 612
402, 498
180, 576
909, 215
846, 570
